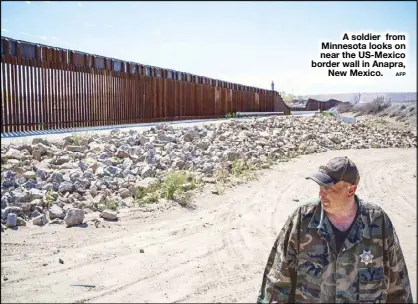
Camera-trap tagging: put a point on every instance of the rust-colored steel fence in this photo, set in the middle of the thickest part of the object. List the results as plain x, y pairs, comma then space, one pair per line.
44, 87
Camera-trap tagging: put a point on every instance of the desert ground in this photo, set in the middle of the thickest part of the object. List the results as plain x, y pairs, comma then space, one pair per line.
214, 252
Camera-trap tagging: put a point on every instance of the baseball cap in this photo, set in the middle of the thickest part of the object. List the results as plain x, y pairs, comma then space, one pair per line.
336, 170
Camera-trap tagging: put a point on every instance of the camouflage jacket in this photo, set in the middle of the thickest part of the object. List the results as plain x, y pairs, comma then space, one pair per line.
304, 267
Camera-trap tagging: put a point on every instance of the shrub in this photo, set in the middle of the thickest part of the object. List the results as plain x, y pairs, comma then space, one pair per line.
147, 196
49, 199
174, 184
111, 204
241, 168
377, 105
345, 107
221, 175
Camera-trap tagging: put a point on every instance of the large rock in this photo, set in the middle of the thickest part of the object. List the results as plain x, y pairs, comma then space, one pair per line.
204, 144
30, 175
142, 140
11, 209
132, 141
31, 184
35, 213
127, 164
123, 151
4, 202
11, 220
41, 175
112, 171
190, 135
8, 175
126, 202
56, 176
124, 192
39, 150
166, 138
109, 214
14, 154
20, 222
20, 196
37, 155
179, 164
66, 187
37, 194
40, 220
56, 212
26, 207
74, 217
26, 147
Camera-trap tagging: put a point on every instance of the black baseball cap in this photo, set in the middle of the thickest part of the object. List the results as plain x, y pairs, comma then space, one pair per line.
336, 170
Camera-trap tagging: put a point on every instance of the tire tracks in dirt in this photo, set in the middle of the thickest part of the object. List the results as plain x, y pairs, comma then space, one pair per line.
216, 253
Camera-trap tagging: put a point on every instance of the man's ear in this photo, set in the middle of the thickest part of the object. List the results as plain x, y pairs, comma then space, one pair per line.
351, 190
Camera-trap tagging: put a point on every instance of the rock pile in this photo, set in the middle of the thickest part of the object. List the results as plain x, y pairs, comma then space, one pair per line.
54, 183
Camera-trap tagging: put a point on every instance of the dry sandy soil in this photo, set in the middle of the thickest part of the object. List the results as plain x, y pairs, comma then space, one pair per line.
213, 253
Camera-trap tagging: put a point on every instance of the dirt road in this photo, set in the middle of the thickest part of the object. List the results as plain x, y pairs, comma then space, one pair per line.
214, 253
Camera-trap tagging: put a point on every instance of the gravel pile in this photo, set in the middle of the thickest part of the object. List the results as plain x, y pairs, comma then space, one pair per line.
59, 183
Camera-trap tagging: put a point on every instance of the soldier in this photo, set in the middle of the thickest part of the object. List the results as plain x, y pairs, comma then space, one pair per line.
337, 248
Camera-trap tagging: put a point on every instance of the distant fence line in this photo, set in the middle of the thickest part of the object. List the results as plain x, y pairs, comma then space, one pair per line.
44, 87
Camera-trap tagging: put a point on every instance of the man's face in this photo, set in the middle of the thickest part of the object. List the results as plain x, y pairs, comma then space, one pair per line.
335, 196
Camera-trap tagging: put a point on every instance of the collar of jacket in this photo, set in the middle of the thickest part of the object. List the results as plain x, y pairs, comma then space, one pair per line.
360, 228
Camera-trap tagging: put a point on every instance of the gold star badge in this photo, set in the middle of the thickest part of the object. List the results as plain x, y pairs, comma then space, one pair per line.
366, 257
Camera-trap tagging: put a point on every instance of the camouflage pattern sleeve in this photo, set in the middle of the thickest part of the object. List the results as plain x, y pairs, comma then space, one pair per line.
399, 288
279, 279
